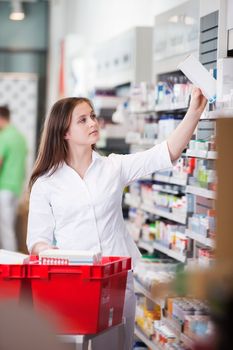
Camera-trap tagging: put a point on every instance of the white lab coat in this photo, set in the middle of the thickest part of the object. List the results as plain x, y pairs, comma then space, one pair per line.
86, 213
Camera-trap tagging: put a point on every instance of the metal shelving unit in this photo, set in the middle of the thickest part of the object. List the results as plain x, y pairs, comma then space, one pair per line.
145, 339
164, 214
171, 107
169, 252
201, 154
139, 288
208, 242
203, 192
171, 179
146, 245
135, 203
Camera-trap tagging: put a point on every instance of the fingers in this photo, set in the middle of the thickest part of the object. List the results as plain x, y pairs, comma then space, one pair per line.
196, 91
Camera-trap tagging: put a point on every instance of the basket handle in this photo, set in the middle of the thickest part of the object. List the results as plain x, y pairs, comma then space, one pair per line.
8, 271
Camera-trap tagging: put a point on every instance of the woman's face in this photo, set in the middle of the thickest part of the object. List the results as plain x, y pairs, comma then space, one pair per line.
84, 127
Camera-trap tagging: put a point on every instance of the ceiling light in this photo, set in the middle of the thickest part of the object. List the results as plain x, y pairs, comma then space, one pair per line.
17, 13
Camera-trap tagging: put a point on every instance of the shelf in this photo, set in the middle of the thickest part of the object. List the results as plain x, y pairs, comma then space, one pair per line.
134, 138
187, 341
201, 154
145, 339
140, 289
170, 107
164, 190
141, 112
164, 214
208, 242
146, 178
147, 142
213, 115
212, 155
106, 102
171, 179
169, 252
146, 245
153, 346
135, 203
173, 325
176, 328
203, 192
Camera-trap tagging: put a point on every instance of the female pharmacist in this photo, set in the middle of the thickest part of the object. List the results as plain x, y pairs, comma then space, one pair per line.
76, 194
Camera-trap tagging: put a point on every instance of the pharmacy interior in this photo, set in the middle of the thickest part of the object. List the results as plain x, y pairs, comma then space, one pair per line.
139, 74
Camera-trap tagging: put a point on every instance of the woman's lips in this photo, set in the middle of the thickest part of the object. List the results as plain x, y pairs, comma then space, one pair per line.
94, 132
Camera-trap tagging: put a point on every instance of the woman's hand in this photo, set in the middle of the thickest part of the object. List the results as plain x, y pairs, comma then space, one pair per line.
198, 102
40, 246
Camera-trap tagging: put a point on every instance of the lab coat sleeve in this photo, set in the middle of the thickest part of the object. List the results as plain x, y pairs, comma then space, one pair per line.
41, 221
135, 166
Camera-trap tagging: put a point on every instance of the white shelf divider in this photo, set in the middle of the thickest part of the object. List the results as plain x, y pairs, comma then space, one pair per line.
208, 242
203, 192
169, 252
164, 214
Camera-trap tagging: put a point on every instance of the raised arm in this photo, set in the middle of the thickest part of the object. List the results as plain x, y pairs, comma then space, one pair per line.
180, 137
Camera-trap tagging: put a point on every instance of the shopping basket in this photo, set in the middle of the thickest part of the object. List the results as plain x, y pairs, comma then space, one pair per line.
84, 299
12, 278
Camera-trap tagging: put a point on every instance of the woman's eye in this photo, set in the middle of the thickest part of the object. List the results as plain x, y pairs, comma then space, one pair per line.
93, 116
82, 120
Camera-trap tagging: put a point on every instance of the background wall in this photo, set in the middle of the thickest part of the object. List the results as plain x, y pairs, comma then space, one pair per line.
23, 49
94, 22
108, 18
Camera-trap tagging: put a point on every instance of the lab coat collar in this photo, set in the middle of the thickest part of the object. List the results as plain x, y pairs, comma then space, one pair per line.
95, 156
68, 169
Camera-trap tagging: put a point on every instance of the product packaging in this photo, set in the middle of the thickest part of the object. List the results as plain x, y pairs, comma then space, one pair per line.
199, 76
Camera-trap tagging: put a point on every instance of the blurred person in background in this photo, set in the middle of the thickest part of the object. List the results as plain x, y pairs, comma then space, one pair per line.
13, 151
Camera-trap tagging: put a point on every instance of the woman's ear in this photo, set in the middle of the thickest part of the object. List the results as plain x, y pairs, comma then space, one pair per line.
66, 137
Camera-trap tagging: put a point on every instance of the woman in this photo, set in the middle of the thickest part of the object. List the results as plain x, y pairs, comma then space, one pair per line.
76, 194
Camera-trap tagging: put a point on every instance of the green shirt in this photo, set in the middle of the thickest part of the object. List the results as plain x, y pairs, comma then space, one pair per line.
13, 151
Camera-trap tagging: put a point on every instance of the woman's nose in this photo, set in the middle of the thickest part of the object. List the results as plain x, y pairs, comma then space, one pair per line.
92, 122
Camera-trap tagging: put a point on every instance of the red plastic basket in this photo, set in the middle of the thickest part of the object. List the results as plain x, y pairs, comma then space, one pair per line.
84, 299
11, 281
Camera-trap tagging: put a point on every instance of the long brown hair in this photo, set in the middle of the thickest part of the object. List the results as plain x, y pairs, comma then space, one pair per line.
53, 149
